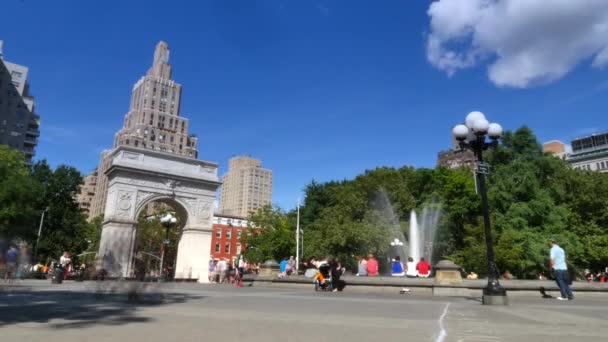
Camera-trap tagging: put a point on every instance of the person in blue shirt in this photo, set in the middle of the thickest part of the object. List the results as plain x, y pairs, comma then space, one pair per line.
283, 267
397, 267
558, 264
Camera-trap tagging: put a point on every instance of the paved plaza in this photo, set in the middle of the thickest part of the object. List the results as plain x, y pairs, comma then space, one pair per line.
38, 311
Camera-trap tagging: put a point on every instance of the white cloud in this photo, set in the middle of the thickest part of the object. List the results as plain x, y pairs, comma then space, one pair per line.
525, 42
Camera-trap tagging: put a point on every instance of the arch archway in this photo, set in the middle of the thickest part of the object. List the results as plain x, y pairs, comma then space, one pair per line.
138, 177
155, 247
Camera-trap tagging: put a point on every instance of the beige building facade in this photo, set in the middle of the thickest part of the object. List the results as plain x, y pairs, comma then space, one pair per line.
246, 187
556, 148
153, 122
87, 192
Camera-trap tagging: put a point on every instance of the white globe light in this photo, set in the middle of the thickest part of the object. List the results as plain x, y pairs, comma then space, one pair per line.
495, 131
481, 126
472, 117
173, 220
460, 132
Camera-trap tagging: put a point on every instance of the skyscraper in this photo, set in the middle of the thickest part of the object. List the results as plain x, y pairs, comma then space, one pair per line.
246, 187
19, 125
84, 197
153, 121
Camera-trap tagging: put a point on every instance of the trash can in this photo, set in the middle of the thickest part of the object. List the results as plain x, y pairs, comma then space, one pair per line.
79, 274
58, 274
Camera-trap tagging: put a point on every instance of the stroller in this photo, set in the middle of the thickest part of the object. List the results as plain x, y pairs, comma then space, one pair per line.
323, 279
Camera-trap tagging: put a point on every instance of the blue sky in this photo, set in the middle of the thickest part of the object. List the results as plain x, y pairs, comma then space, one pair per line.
316, 89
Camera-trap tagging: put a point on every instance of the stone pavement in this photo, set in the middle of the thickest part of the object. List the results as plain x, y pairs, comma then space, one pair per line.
38, 311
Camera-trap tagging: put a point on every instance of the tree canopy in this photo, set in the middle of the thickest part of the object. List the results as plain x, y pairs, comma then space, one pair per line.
533, 197
25, 192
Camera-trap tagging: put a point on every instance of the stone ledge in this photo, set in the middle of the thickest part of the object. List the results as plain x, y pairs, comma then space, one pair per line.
509, 285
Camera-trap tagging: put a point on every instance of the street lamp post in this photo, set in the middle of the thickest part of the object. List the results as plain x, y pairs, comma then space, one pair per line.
397, 244
472, 135
167, 221
39, 232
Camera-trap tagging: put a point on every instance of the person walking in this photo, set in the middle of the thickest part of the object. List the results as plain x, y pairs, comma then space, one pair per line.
560, 269
11, 258
66, 263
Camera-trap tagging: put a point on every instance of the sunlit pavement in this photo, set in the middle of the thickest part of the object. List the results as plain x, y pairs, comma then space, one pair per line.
39, 311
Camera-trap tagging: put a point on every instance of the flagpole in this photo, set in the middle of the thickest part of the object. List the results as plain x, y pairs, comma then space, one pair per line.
298, 239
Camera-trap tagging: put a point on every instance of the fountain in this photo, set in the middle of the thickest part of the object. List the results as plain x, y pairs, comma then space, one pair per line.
414, 237
421, 237
383, 204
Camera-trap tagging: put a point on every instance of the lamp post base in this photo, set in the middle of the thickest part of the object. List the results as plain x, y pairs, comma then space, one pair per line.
494, 294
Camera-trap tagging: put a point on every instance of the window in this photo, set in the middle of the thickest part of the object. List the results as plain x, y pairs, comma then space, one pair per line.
16, 74
227, 248
239, 234
217, 247
238, 248
218, 233
228, 233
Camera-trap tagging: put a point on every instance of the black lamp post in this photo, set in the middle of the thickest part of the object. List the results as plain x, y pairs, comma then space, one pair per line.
398, 245
472, 135
167, 221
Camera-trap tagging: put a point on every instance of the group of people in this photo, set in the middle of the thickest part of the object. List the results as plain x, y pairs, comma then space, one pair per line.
368, 267
15, 263
230, 271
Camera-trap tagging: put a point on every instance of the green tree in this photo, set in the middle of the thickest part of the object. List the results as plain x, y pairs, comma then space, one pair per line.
272, 235
65, 225
18, 194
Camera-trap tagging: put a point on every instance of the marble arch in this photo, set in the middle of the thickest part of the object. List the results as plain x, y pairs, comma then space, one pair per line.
137, 177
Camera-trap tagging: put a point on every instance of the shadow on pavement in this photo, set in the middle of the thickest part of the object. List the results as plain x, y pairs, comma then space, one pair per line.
73, 309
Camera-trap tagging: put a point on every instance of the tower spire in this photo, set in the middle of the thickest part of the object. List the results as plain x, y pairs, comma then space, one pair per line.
161, 54
160, 63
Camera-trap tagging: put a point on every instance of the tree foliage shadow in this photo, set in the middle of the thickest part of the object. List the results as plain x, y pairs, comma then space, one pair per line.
79, 309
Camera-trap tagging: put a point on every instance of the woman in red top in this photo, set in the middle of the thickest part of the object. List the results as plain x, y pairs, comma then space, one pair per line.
372, 266
423, 268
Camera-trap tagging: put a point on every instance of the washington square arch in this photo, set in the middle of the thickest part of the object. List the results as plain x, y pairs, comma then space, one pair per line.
137, 178
155, 159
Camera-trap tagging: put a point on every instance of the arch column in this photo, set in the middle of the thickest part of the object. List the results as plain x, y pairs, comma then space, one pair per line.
194, 247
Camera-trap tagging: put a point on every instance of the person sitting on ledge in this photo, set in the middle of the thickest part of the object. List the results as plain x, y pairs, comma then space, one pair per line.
397, 267
372, 266
411, 271
423, 268
362, 269
472, 275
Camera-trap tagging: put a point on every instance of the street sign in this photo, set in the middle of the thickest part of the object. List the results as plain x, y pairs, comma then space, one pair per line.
166, 241
483, 168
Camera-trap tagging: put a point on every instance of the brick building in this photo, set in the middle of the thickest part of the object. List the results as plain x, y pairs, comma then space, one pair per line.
226, 238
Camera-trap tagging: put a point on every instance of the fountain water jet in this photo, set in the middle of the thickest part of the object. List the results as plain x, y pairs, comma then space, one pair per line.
422, 236
414, 237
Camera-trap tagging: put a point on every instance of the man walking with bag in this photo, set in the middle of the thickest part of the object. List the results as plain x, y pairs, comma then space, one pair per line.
558, 263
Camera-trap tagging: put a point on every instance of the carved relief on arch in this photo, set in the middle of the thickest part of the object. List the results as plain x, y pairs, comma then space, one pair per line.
190, 204
204, 212
142, 196
124, 203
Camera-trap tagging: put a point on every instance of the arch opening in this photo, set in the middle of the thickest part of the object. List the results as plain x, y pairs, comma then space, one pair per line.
156, 246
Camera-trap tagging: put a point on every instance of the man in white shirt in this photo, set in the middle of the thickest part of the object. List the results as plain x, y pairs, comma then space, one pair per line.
558, 263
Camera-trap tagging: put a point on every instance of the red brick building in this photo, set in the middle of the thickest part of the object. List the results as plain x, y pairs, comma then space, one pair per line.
226, 236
